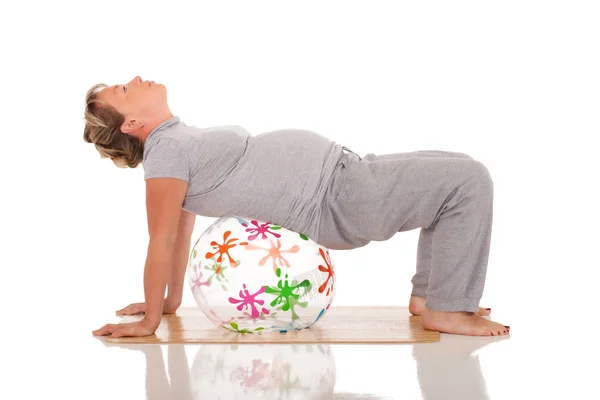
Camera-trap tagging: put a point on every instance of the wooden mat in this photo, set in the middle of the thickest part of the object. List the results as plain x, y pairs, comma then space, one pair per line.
358, 325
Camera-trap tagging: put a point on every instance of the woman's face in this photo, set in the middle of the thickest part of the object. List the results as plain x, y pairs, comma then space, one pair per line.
138, 100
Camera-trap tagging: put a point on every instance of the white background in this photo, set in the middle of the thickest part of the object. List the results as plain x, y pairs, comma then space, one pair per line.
514, 84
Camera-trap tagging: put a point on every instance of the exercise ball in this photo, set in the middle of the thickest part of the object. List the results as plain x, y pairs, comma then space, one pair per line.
249, 276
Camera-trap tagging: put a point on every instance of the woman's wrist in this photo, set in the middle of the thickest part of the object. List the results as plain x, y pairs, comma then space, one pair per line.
150, 322
173, 300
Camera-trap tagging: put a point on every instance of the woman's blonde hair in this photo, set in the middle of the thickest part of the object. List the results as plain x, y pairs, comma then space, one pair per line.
103, 128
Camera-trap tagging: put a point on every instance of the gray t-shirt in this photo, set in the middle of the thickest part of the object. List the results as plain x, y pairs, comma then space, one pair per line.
279, 176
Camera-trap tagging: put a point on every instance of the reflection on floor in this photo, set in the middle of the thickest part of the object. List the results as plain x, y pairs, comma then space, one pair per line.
305, 372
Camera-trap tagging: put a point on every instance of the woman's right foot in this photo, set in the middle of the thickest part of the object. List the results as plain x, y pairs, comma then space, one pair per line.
461, 323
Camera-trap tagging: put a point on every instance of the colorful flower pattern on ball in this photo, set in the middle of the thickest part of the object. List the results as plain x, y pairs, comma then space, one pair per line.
273, 227
249, 300
235, 327
259, 229
197, 279
285, 296
275, 253
300, 281
223, 249
329, 271
261, 317
218, 272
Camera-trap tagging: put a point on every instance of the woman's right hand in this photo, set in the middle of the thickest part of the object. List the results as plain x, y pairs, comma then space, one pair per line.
140, 308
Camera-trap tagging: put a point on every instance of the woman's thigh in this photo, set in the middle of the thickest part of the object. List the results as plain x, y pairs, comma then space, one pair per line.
382, 195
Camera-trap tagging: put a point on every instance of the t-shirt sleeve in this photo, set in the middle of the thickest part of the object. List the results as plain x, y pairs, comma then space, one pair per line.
167, 159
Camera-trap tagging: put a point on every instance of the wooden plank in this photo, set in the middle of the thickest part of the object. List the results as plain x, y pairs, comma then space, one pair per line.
340, 325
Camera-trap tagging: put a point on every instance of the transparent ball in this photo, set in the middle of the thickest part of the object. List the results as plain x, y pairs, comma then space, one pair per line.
250, 276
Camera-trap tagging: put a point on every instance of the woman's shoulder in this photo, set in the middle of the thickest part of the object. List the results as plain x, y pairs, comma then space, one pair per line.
192, 137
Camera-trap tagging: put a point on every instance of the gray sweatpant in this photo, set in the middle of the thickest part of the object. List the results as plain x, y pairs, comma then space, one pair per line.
448, 195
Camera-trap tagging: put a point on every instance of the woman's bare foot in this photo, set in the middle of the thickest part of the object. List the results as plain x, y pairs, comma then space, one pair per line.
461, 323
417, 304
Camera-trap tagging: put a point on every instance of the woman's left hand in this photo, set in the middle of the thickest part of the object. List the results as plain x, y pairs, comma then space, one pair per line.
138, 328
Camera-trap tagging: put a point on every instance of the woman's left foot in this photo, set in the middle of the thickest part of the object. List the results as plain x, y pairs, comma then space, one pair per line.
417, 304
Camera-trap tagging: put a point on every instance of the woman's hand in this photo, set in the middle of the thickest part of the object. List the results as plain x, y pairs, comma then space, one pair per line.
139, 328
169, 307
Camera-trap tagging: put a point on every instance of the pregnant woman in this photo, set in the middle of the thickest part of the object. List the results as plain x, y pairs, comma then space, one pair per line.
303, 181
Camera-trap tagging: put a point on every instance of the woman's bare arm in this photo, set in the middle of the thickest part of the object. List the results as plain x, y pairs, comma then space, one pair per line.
164, 198
181, 254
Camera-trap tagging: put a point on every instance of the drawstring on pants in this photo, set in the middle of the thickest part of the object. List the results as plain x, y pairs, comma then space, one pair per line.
344, 148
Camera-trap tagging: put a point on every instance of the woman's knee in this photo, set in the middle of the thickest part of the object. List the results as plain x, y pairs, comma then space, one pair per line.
481, 174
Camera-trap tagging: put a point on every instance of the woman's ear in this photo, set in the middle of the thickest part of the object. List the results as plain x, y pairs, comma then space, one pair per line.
131, 126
